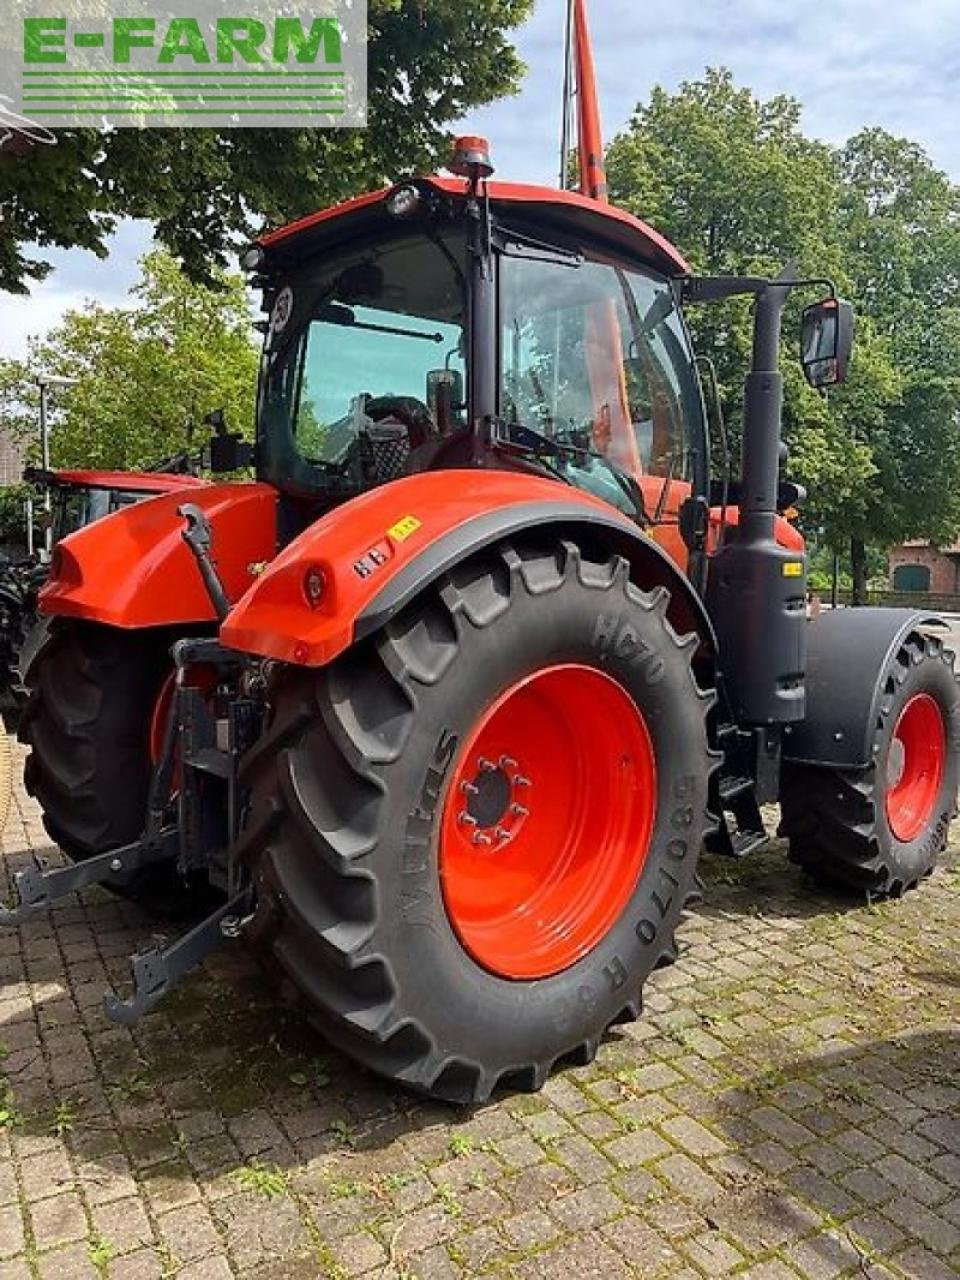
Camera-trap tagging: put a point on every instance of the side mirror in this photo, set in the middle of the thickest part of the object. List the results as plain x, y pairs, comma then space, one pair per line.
826, 340
217, 419
451, 380
228, 453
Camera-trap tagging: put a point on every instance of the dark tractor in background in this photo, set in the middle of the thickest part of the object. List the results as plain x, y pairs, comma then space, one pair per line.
77, 499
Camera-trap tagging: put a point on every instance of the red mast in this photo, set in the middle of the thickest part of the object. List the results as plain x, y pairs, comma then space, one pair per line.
593, 174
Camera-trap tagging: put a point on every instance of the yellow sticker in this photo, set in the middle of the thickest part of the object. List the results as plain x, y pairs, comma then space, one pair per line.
793, 569
402, 530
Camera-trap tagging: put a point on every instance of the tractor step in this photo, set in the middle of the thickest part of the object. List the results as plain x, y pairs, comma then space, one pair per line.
731, 788
743, 843
38, 888
156, 972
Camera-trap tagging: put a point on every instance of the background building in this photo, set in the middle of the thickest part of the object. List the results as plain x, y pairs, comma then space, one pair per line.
919, 566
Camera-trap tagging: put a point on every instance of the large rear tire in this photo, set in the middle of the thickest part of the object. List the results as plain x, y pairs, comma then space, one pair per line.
92, 691
880, 829
473, 835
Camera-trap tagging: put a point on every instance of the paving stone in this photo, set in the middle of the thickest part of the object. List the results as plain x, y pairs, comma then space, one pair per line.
689, 1179
712, 1254
911, 1180
46, 1174
919, 1264
644, 1249
189, 1232
587, 1257
258, 1230
66, 1264
358, 1253
58, 1220
637, 1148
16, 1269
587, 1208
787, 1108
142, 1265
920, 1222
215, 1268
124, 1223
11, 1232
869, 1186
531, 1229
823, 1256
878, 1233
692, 1136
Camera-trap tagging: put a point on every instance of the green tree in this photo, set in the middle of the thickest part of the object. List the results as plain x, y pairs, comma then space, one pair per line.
735, 183
429, 62
146, 373
900, 232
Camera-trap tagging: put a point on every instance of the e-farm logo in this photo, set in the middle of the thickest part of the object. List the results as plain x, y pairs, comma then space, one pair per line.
210, 64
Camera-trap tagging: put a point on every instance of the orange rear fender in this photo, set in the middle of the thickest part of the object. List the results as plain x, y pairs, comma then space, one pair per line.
132, 569
353, 570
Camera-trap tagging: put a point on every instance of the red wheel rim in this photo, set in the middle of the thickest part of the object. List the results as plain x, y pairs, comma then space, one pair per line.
547, 821
161, 713
915, 765
199, 677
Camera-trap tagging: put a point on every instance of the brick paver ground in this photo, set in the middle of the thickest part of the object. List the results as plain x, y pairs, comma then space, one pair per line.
789, 1106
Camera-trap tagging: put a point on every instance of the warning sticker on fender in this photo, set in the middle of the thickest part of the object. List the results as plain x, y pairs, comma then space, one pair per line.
402, 530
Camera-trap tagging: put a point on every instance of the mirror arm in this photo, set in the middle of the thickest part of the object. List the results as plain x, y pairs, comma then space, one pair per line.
719, 288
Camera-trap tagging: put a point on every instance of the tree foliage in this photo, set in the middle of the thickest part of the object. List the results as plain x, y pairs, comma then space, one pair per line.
146, 373
738, 186
429, 62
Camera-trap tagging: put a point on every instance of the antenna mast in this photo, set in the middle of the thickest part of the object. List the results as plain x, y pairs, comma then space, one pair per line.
580, 83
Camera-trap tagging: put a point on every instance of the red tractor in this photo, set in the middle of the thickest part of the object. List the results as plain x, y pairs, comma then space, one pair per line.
447, 702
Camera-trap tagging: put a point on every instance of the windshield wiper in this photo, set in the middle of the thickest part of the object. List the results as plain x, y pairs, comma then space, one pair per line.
524, 439
334, 313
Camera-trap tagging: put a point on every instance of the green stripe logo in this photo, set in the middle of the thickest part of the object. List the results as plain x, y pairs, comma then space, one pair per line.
217, 64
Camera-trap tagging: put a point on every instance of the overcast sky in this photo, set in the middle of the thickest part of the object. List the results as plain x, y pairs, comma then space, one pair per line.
851, 62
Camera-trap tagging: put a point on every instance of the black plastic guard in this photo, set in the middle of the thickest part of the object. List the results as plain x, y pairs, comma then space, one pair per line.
849, 652
650, 565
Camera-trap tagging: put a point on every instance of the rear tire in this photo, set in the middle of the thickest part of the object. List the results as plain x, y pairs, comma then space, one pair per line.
880, 829
355, 791
91, 694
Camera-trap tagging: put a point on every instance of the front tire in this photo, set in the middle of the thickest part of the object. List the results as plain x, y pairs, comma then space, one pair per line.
474, 834
880, 829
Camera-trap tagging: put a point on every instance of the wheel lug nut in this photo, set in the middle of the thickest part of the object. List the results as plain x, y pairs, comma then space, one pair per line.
520, 810
502, 833
467, 819
520, 781
468, 788
486, 765
480, 838
507, 762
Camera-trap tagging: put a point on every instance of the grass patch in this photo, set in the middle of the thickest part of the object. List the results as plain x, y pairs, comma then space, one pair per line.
100, 1250
265, 1180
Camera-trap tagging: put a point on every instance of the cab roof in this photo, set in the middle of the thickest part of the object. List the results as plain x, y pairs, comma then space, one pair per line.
581, 217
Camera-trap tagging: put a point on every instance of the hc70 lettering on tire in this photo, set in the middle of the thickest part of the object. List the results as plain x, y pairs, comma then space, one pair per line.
474, 834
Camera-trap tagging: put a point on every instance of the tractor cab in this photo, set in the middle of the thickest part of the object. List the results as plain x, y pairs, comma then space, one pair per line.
435, 325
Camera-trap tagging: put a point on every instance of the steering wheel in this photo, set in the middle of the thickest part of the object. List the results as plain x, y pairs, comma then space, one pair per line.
413, 413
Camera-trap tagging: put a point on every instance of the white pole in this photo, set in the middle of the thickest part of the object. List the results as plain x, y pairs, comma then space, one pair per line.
567, 97
45, 466
45, 382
